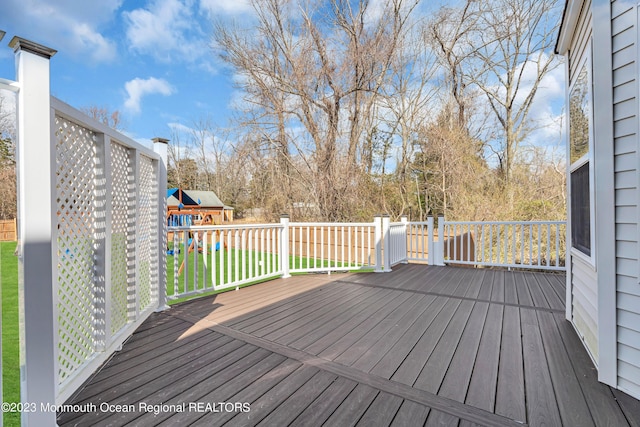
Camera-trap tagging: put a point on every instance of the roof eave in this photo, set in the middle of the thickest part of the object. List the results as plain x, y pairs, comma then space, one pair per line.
570, 16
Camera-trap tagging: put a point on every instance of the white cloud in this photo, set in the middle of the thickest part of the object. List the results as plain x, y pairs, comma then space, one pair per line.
228, 7
168, 30
72, 26
137, 88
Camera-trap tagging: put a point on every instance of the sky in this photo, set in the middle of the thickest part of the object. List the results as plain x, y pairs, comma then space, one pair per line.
150, 60
153, 61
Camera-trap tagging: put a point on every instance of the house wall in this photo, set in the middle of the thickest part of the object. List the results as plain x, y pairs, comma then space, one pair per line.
624, 19
584, 286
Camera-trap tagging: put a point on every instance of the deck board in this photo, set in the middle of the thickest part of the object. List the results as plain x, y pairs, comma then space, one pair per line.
334, 328
384, 331
571, 403
420, 346
510, 398
432, 374
388, 365
353, 407
484, 378
344, 337
324, 405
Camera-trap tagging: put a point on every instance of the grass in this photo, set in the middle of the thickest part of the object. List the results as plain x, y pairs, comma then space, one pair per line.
10, 333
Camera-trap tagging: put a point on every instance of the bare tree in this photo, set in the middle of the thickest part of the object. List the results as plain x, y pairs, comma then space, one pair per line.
113, 119
8, 196
320, 69
511, 52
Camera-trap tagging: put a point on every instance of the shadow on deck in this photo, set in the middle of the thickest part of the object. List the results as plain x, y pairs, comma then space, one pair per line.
420, 346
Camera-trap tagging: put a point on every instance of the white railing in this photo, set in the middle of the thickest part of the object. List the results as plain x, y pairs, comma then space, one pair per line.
538, 245
231, 256
213, 258
397, 244
318, 247
420, 241
91, 207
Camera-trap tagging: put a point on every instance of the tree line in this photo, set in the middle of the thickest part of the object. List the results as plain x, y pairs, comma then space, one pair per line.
352, 108
348, 109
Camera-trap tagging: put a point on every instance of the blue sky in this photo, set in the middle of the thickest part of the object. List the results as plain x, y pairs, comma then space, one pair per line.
151, 60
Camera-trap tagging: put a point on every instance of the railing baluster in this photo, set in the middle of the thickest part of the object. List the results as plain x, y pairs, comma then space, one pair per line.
539, 242
223, 249
548, 252
205, 261
185, 260
236, 252
557, 227
523, 243
214, 257
196, 249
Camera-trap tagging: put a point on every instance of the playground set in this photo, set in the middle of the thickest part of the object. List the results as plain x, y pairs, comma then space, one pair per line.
186, 208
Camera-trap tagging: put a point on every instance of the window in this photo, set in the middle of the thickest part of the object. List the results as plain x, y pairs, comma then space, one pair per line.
579, 142
580, 210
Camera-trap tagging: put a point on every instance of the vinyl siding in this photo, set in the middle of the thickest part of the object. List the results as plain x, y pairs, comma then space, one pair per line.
584, 312
585, 297
625, 116
580, 42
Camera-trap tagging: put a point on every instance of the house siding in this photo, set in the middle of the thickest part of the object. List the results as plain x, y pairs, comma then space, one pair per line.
584, 300
584, 289
625, 116
580, 42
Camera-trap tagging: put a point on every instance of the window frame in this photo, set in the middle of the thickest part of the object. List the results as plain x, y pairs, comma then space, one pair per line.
585, 62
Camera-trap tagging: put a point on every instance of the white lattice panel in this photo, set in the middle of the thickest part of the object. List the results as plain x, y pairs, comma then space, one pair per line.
123, 211
147, 233
75, 194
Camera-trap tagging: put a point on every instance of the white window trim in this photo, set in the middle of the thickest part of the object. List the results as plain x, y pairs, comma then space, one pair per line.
588, 157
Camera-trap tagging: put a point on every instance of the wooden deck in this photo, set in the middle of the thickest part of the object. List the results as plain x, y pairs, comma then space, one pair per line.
420, 346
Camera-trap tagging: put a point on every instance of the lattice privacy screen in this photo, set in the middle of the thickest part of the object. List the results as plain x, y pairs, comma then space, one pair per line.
76, 189
101, 203
123, 231
147, 233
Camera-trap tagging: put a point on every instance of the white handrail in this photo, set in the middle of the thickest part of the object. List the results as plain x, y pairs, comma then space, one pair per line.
537, 245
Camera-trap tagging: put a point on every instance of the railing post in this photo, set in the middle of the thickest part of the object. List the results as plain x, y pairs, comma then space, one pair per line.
377, 237
160, 147
284, 246
431, 256
386, 238
439, 246
405, 221
36, 188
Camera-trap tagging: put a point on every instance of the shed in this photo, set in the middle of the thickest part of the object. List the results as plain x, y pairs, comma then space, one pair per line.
599, 40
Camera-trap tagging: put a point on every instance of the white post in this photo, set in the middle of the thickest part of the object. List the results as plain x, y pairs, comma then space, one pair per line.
386, 237
404, 220
431, 256
160, 147
377, 236
36, 189
284, 246
439, 247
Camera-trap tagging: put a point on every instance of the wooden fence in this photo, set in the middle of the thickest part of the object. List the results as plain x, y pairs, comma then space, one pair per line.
8, 230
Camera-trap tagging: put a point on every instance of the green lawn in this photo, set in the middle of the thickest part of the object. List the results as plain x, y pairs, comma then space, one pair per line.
10, 335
